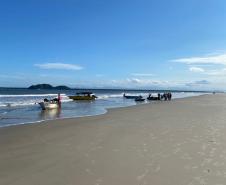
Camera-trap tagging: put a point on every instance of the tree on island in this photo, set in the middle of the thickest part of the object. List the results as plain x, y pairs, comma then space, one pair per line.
48, 86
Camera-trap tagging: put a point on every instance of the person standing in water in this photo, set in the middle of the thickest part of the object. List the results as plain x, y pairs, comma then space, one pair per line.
59, 100
159, 96
169, 96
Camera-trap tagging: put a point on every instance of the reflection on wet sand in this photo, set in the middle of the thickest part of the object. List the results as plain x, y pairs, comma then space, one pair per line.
50, 114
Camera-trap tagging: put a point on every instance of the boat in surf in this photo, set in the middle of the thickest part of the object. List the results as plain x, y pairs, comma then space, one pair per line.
140, 99
50, 104
130, 96
83, 96
154, 97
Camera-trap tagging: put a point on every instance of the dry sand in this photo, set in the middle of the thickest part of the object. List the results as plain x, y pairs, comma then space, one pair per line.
182, 142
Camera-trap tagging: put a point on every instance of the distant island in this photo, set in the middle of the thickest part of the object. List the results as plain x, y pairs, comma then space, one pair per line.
49, 87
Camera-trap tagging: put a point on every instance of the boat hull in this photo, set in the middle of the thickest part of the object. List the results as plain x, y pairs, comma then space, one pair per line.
131, 97
82, 97
153, 99
48, 106
139, 99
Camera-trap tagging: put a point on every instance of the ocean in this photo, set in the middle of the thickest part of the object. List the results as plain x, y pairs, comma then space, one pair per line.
20, 106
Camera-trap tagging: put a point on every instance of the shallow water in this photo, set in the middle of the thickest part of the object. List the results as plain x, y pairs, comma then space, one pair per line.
19, 106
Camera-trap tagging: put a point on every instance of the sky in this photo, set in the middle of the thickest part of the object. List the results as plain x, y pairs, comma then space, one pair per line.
143, 44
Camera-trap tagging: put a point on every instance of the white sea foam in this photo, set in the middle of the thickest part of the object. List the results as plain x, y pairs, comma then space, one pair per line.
28, 99
27, 95
106, 96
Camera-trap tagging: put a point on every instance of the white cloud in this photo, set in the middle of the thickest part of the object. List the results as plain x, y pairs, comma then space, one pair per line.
198, 83
142, 74
209, 72
62, 66
219, 72
210, 59
201, 84
206, 65
196, 69
134, 80
136, 83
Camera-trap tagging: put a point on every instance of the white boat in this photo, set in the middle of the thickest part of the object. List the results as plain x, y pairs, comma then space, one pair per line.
49, 105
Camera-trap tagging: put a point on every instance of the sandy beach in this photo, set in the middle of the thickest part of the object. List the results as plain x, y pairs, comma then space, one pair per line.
182, 142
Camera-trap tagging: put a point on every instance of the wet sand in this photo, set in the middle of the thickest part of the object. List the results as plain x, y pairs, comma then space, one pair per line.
182, 142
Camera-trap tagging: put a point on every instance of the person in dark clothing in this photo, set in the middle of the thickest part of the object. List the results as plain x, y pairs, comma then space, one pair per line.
159, 96
165, 96
170, 96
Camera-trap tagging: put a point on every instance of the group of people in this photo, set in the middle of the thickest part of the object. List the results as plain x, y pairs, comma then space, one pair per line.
55, 100
167, 96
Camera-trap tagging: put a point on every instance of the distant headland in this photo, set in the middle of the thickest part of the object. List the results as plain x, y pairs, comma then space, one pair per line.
48, 86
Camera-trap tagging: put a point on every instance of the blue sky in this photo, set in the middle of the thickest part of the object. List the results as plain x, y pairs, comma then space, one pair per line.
173, 44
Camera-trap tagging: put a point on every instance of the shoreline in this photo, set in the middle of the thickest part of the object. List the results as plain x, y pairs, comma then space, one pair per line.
130, 145
106, 111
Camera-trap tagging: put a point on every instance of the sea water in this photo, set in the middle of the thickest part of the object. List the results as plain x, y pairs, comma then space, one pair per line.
20, 106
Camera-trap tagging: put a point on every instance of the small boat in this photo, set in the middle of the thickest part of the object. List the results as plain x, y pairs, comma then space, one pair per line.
154, 97
130, 96
140, 99
83, 96
50, 104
